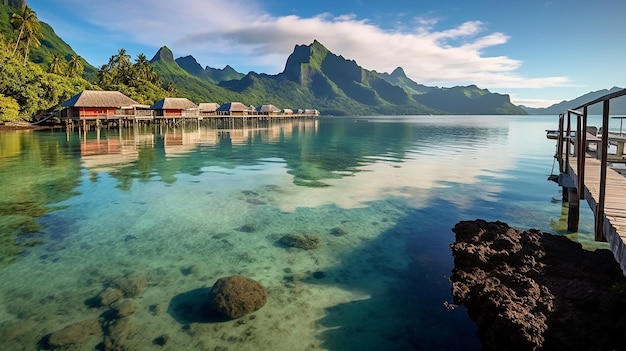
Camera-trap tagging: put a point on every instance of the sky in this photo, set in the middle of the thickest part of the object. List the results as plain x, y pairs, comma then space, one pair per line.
539, 52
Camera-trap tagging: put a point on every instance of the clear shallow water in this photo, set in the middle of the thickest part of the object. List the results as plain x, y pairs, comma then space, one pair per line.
182, 207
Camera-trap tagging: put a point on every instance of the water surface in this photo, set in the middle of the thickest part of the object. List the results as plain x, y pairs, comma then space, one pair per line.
182, 206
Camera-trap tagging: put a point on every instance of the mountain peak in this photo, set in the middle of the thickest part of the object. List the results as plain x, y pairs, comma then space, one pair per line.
164, 54
190, 64
398, 73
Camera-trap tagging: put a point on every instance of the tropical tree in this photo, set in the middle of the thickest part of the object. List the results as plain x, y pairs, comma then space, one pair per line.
105, 75
9, 109
29, 30
76, 65
56, 65
145, 71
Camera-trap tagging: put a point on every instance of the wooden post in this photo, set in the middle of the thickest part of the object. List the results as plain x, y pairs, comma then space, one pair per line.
573, 213
581, 167
559, 152
567, 141
599, 230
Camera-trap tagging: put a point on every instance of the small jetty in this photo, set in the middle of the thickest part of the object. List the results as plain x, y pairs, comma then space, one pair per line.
591, 162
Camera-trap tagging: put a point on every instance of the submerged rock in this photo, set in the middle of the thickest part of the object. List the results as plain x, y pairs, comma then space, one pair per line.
74, 334
301, 241
109, 296
338, 231
15, 330
122, 308
132, 285
117, 333
235, 296
528, 290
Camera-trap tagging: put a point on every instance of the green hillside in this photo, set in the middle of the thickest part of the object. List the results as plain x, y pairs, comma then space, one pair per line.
51, 43
187, 85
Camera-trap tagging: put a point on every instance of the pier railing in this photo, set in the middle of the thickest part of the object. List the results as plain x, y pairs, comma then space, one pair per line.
575, 143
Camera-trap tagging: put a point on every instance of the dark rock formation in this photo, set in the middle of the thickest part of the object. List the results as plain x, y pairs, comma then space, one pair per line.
235, 296
536, 291
306, 242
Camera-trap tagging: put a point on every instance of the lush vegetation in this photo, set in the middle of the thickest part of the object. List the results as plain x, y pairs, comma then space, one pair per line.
137, 80
36, 78
26, 90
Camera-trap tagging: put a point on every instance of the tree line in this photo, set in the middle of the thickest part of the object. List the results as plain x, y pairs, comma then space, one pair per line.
28, 91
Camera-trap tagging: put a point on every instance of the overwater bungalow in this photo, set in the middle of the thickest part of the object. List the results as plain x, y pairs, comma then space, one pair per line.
175, 107
208, 108
268, 110
233, 109
99, 105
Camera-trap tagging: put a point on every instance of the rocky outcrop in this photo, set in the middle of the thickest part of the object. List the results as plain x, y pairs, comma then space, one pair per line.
529, 290
236, 296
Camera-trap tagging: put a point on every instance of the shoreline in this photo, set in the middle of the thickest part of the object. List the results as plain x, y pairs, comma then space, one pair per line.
12, 126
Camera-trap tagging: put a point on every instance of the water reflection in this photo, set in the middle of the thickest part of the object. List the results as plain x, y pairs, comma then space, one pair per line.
36, 173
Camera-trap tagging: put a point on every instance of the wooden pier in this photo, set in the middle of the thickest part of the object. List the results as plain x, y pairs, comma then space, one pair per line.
591, 174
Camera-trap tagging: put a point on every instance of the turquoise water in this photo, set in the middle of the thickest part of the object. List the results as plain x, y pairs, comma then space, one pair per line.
181, 207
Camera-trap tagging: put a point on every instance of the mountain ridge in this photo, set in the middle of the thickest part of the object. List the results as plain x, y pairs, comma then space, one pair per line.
618, 106
314, 76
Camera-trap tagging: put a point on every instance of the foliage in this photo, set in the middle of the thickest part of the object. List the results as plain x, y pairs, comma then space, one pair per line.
9, 109
137, 80
27, 24
34, 90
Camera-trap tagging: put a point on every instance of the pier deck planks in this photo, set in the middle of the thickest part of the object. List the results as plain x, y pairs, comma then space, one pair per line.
614, 207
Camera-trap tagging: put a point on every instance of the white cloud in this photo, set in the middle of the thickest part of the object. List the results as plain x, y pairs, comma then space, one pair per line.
243, 34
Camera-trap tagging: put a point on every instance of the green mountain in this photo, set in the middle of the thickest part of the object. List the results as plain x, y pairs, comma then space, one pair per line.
214, 75
469, 100
186, 84
314, 77
399, 78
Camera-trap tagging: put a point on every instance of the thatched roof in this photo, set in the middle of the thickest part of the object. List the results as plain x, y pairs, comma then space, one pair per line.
97, 98
233, 107
208, 106
173, 104
268, 109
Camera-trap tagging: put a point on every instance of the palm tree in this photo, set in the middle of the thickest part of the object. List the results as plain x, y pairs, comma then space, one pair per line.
145, 71
56, 65
30, 29
76, 65
105, 76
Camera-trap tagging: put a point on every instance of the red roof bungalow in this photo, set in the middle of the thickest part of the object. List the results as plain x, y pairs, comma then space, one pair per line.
175, 107
95, 104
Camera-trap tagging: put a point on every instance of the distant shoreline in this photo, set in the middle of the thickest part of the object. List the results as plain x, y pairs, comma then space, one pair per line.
20, 126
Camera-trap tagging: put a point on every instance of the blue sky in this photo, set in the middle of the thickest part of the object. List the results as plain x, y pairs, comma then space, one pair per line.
539, 52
